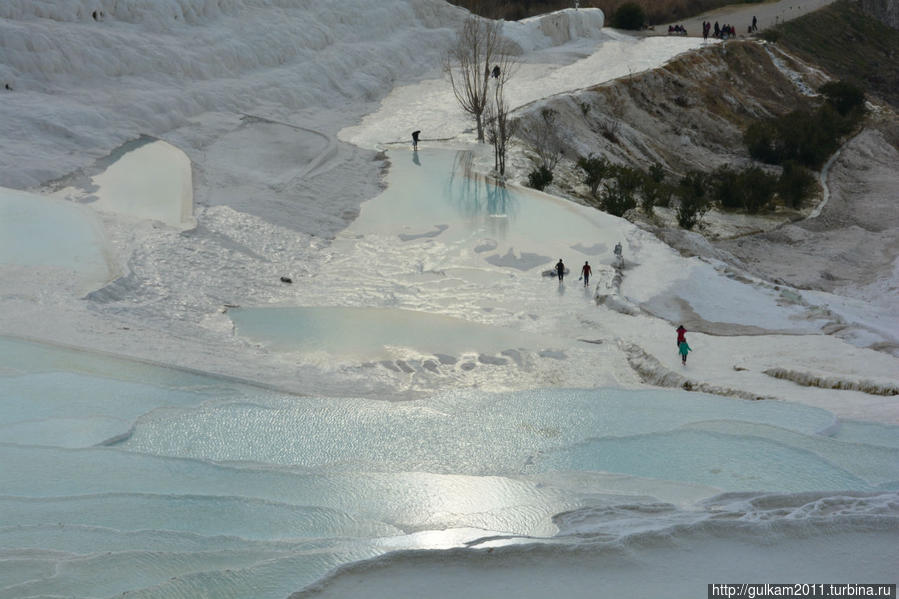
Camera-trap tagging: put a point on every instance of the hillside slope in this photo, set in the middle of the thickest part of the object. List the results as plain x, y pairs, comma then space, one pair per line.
691, 114
687, 114
850, 44
886, 11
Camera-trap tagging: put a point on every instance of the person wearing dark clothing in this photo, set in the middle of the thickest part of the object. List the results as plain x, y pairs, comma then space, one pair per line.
415, 139
717, 30
681, 335
586, 271
496, 72
755, 24
560, 269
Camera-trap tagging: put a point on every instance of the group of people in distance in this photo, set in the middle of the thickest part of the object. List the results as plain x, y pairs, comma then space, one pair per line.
677, 30
586, 271
724, 31
683, 348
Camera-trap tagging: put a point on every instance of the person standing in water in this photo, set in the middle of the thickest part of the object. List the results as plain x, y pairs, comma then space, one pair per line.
415, 135
560, 269
586, 271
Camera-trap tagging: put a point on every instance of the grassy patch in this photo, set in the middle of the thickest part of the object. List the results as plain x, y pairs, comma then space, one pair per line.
849, 45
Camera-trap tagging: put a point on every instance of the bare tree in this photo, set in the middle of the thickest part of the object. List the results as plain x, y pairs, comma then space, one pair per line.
547, 141
477, 59
500, 127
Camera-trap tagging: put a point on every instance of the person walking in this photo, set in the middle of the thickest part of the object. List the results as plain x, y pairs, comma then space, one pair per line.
415, 135
683, 348
755, 24
681, 335
586, 271
560, 269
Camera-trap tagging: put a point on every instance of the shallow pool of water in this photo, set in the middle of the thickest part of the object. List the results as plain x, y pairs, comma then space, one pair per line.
370, 333
41, 231
434, 194
121, 476
146, 178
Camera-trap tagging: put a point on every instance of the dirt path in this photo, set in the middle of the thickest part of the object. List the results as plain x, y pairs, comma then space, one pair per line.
740, 16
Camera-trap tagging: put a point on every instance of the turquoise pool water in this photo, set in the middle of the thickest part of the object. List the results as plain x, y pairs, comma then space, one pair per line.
440, 190
40, 231
121, 476
369, 333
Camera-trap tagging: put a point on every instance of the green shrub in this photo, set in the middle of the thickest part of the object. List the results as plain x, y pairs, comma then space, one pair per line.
757, 189
629, 179
843, 96
616, 200
724, 188
654, 190
628, 16
596, 169
649, 195
693, 201
806, 137
664, 193
751, 190
619, 197
796, 184
539, 178
648, 200
761, 141
656, 173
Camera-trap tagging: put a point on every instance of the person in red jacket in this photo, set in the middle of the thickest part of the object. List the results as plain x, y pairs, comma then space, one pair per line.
681, 335
586, 271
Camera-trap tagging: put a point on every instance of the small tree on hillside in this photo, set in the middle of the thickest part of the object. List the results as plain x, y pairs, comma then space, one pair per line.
758, 189
796, 183
619, 193
843, 96
629, 179
547, 141
596, 168
693, 202
628, 16
616, 199
654, 189
725, 188
539, 178
476, 59
762, 141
